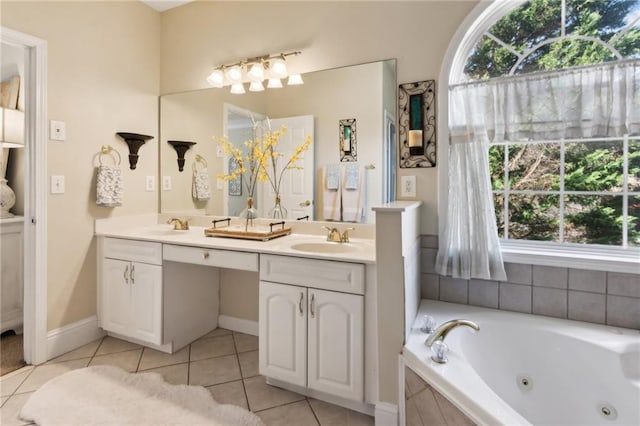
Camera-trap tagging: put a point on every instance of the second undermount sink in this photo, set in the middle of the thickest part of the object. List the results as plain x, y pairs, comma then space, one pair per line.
327, 247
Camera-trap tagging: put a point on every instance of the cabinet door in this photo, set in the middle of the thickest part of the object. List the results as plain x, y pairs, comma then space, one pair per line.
283, 332
116, 299
336, 340
146, 302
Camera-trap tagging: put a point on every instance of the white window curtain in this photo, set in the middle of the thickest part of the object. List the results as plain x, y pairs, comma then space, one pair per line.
593, 101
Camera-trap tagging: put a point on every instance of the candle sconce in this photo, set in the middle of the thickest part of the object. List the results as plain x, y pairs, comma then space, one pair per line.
417, 125
181, 148
348, 140
134, 141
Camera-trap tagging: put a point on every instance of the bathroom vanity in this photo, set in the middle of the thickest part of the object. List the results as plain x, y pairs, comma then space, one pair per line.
159, 287
330, 316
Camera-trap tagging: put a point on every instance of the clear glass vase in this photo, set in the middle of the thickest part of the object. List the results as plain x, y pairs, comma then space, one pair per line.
249, 214
277, 211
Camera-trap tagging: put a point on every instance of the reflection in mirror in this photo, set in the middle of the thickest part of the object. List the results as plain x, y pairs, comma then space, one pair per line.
365, 92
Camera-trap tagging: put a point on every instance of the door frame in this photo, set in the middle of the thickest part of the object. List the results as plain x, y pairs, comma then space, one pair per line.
35, 206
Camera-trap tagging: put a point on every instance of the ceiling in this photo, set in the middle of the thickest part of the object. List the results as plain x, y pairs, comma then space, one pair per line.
162, 5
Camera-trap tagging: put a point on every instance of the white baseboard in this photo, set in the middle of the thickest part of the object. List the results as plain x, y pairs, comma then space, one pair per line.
238, 324
72, 336
386, 414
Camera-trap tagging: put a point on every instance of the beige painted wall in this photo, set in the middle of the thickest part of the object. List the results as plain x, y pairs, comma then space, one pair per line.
103, 77
198, 36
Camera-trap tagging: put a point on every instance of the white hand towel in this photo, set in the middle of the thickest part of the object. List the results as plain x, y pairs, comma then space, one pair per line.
331, 204
352, 180
201, 189
109, 189
353, 199
333, 176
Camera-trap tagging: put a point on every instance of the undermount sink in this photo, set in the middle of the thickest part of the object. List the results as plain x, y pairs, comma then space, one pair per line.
327, 247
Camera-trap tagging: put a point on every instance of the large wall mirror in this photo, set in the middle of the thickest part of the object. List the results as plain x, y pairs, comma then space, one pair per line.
365, 92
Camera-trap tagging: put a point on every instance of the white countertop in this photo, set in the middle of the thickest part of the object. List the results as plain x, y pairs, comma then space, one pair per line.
146, 228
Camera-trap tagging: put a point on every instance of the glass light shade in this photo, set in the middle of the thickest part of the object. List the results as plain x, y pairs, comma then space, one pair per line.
256, 73
256, 86
237, 88
216, 78
234, 74
274, 83
278, 68
295, 80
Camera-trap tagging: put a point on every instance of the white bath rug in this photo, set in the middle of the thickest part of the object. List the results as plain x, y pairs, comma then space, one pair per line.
107, 395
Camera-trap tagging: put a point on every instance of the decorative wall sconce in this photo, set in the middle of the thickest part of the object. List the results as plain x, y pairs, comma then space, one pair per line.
181, 148
256, 70
135, 141
417, 113
348, 140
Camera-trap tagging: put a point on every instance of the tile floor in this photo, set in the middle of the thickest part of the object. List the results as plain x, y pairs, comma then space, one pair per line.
224, 362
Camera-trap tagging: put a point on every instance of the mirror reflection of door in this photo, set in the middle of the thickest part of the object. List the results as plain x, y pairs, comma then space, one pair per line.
297, 186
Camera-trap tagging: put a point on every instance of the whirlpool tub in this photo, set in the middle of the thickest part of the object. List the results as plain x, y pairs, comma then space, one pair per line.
524, 369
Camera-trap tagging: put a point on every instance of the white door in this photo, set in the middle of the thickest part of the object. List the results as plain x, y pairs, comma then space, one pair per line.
336, 340
283, 332
297, 187
116, 297
146, 302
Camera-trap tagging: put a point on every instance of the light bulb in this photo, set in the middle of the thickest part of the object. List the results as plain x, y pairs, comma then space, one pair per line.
216, 79
274, 83
256, 73
278, 68
295, 80
234, 74
237, 88
256, 86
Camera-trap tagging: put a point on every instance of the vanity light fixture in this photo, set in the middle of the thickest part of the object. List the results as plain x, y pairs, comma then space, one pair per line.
295, 80
255, 70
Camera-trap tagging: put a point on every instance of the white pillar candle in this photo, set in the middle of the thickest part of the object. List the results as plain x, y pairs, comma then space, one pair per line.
415, 138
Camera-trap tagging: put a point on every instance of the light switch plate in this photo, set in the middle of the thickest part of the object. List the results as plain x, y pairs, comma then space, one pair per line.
57, 184
57, 130
408, 186
220, 184
219, 151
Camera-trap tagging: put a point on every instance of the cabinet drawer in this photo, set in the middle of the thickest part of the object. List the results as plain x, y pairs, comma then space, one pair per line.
211, 257
324, 274
132, 250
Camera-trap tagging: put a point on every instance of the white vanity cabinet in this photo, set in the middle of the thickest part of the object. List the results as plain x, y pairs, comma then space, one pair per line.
131, 289
311, 321
11, 273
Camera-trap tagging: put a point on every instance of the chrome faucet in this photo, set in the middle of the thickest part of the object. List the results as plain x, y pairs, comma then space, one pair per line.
335, 236
439, 334
179, 225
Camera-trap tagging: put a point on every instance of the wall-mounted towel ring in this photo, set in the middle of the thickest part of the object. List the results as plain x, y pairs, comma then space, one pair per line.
108, 150
200, 159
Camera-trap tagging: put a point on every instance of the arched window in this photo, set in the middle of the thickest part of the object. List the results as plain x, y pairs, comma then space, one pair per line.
550, 71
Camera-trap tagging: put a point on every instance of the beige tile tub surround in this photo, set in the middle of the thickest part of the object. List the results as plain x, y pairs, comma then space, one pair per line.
425, 406
611, 298
219, 372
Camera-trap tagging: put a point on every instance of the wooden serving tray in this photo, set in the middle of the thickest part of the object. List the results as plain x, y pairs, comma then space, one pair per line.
259, 233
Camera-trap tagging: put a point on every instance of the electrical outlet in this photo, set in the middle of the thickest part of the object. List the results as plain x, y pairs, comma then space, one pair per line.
408, 186
150, 183
166, 183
